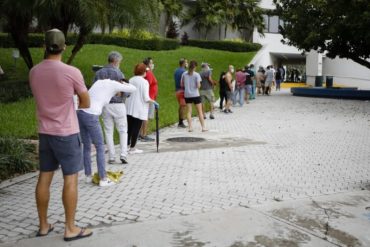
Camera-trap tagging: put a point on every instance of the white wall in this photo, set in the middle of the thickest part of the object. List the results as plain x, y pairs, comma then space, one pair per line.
347, 72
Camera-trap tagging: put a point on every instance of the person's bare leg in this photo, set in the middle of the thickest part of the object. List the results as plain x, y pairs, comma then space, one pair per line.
183, 112
201, 117
70, 194
144, 128
188, 115
202, 109
42, 199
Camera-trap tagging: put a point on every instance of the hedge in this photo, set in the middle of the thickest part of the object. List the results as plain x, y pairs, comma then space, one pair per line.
14, 90
225, 45
157, 44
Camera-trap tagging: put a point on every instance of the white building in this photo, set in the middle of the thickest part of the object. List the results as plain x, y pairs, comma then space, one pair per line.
345, 72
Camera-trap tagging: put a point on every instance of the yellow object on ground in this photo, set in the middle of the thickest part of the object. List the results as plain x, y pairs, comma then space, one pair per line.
114, 176
293, 84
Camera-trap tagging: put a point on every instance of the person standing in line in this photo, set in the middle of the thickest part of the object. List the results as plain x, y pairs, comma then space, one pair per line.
278, 79
250, 76
183, 63
190, 81
260, 81
223, 85
269, 80
229, 88
100, 93
253, 70
115, 112
240, 77
153, 93
54, 84
206, 89
138, 106
282, 73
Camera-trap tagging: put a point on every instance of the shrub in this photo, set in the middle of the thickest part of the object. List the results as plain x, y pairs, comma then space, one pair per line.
185, 39
135, 39
16, 157
12, 91
172, 32
225, 45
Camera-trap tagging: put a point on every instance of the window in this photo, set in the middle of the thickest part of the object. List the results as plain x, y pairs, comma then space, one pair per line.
272, 23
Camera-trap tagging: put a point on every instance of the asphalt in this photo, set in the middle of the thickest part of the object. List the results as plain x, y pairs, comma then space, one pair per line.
280, 171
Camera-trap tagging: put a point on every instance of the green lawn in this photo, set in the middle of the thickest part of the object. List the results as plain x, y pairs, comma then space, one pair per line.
18, 119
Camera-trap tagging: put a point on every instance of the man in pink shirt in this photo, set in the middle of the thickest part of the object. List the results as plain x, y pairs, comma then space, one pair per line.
54, 85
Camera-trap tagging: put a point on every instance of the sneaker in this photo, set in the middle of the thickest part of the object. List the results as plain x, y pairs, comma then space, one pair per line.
88, 179
211, 116
135, 151
181, 125
225, 111
229, 111
147, 139
106, 183
205, 117
111, 161
123, 160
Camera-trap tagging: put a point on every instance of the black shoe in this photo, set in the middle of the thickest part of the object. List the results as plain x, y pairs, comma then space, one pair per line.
124, 160
229, 111
211, 116
181, 125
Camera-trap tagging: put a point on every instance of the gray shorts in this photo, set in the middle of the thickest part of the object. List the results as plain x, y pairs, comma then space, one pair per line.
207, 95
65, 151
229, 95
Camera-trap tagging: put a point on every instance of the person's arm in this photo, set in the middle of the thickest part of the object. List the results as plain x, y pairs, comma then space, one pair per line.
182, 81
83, 100
126, 88
228, 79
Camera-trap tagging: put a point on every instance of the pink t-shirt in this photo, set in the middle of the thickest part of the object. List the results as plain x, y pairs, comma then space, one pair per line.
53, 85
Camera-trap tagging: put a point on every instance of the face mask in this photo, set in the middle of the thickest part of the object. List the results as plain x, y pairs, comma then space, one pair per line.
186, 65
152, 66
232, 70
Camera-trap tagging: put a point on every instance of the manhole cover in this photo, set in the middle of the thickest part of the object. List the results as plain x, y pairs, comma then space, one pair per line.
186, 139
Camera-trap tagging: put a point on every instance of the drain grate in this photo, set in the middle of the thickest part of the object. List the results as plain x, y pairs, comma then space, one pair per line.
186, 139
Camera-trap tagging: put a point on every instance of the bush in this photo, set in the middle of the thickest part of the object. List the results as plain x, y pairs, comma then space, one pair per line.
136, 40
34, 40
12, 91
225, 45
155, 44
16, 157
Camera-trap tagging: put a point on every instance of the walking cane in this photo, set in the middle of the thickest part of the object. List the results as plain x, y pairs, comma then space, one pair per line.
157, 127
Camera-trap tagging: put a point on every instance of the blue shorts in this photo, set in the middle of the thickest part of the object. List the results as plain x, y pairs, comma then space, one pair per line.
65, 151
248, 88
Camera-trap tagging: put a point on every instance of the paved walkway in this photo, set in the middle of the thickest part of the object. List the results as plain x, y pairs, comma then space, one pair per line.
278, 148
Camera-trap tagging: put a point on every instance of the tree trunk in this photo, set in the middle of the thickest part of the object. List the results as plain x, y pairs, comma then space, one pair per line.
81, 39
225, 34
19, 34
361, 61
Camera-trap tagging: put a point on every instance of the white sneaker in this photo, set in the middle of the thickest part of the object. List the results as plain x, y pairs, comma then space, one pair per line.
88, 179
135, 151
106, 183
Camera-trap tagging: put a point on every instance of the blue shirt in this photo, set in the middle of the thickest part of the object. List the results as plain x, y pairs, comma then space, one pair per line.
113, 73
178, 74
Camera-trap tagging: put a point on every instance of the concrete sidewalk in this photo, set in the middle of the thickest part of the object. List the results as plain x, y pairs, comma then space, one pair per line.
277, 149
336, 220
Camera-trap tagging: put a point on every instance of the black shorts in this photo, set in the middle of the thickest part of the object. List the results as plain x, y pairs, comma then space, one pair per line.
195, 100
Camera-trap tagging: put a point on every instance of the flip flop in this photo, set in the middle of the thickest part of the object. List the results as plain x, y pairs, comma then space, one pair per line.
79, 236
39, 234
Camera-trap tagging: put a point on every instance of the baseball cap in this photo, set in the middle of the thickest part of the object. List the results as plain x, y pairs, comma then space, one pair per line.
54, 40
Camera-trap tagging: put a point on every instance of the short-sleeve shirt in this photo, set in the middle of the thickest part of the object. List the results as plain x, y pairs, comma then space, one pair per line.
137, 104
269, 75
191, 84
240, 78
53, 85
205, 84
113, 73
102, 91
177, 76
153, 84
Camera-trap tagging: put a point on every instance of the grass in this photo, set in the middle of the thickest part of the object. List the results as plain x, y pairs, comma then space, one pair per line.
18, 119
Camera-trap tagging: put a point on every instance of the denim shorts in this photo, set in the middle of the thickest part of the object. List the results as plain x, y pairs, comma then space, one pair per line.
248, 88
65, 151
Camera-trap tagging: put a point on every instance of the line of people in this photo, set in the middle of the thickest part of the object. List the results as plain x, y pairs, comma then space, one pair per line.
234, 88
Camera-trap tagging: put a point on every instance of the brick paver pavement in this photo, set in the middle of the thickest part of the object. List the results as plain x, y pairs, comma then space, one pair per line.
277, 148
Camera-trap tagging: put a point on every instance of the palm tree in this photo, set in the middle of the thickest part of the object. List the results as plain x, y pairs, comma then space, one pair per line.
171, 8
248, 17
18, 17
